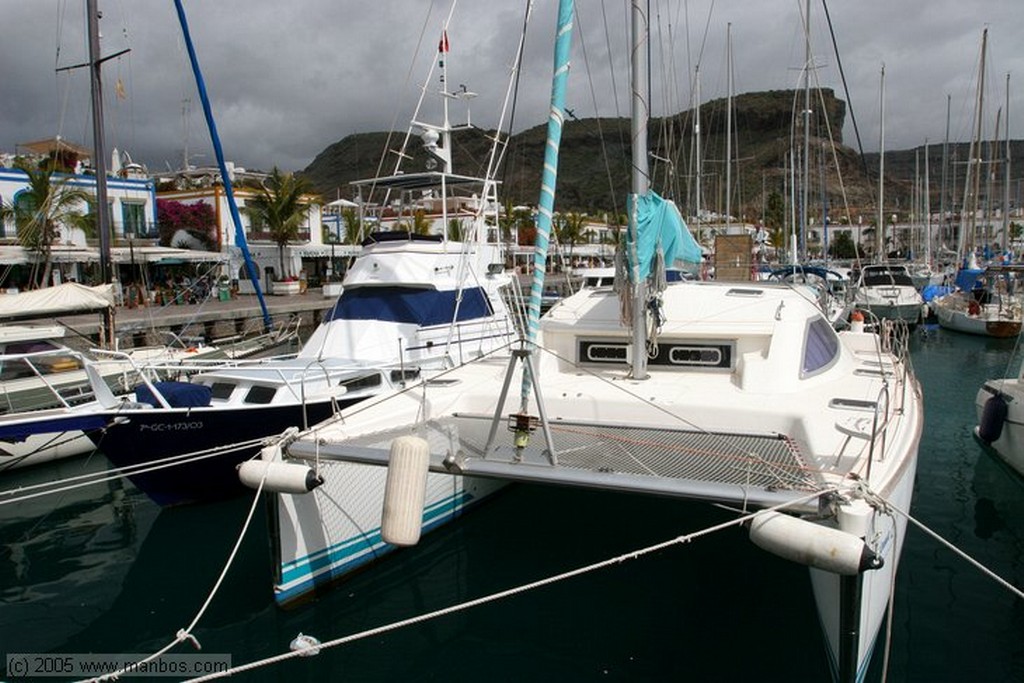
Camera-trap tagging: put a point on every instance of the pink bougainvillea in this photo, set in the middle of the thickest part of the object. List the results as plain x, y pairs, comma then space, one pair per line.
198, 219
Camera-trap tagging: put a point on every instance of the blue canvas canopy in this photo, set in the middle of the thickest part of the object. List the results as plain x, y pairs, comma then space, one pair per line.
659, 224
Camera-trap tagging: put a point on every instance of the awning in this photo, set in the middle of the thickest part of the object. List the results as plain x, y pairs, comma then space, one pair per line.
164, 255
70, 297
54, 144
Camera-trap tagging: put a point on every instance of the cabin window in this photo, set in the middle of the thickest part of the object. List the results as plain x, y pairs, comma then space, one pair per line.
364, 382
222, 390
821, 347
260, 395
405, 375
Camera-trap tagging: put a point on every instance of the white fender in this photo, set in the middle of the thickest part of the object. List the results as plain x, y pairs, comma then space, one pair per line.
812, 544
405, 491
281, 477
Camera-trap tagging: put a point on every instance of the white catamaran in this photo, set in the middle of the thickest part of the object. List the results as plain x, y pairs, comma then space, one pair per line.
741, 394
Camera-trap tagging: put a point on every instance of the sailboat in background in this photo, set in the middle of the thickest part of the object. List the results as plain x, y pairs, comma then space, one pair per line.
885, 290
986, 301
705, 391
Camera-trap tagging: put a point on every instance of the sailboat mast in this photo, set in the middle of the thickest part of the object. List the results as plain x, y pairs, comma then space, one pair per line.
549, 174
1006, 174
641, 181
976, 148
728, 128
99, 149
880, 232
945, 166
225, 176
927, 209
806, 169
697, 153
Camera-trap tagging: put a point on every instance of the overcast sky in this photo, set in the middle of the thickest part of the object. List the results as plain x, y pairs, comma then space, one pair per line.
287, 79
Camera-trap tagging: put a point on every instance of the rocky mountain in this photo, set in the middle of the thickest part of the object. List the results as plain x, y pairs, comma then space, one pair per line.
594, 163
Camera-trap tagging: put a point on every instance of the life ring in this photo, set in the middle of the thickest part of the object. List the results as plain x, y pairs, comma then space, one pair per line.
973, 307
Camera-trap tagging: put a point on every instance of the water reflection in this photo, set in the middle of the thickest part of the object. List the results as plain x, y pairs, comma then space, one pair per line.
63, 556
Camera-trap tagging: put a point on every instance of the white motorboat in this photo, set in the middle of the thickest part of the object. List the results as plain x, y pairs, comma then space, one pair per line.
888, 293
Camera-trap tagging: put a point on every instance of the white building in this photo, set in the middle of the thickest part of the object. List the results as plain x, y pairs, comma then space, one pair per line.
131, 201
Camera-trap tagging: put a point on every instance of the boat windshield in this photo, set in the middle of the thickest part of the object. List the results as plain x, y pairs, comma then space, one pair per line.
411, 305
17, 368
886, 277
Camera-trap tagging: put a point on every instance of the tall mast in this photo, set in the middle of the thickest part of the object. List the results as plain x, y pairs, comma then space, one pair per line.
807, 131
728, 128
641, 182
972, 207
1006, 174
696, 133
99, 149
927, 209
880, 232
945, 165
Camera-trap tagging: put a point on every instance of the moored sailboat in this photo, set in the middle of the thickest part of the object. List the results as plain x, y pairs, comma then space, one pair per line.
710, 392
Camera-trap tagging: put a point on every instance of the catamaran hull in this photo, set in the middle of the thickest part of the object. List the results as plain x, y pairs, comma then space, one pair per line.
148, 436
876, 588
324, 535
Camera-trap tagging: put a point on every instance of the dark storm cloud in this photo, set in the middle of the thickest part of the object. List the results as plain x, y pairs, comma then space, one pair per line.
289, 79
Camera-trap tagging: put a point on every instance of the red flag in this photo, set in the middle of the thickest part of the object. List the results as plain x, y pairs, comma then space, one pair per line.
443, 45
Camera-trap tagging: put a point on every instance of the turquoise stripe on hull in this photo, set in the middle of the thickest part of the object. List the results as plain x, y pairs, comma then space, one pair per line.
305, 574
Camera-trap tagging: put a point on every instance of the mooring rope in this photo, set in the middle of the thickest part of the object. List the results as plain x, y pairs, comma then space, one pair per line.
186, 633
493, 597
82, 480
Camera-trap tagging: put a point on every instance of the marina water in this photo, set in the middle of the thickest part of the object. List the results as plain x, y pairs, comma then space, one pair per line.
102, 570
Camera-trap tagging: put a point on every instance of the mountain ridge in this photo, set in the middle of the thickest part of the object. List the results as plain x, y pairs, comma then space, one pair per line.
593, 174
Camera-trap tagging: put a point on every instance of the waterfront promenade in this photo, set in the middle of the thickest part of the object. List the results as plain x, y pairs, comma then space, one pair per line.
209, 320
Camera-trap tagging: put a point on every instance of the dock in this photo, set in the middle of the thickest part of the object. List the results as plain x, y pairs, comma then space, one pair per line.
203, 322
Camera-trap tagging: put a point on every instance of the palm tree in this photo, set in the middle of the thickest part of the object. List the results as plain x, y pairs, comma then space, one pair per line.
570, 230
455, 231
39, 213
420, 223
281, 206
353, 231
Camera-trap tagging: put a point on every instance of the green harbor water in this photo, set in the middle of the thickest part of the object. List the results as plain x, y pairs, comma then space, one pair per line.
104, 571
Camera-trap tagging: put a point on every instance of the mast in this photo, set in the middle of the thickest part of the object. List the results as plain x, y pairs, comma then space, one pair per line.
927, 209
240, 240
805, 190
728, 128
99, 149
967, 237
100, 162
641, 182
880, 232
794, 245
549, 175
1006, 174
993, 150
696, 133
945, 166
